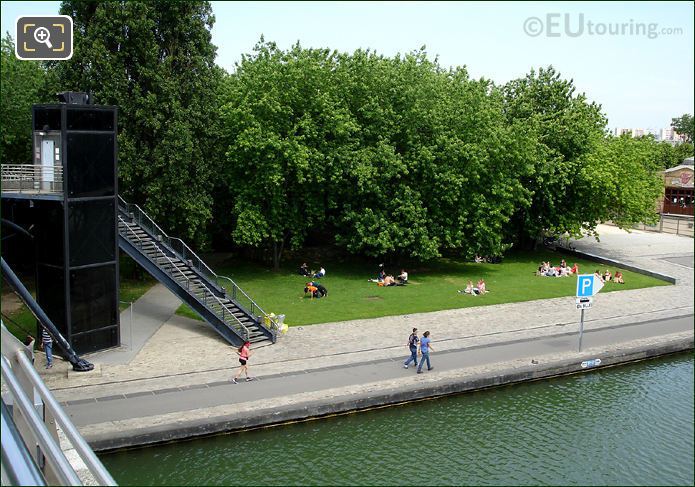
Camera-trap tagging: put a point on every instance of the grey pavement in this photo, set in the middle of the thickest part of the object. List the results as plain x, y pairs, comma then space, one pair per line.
184, 367
139, 322
150, 403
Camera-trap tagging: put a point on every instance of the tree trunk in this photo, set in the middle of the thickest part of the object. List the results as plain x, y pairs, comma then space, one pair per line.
277, 253
276, 257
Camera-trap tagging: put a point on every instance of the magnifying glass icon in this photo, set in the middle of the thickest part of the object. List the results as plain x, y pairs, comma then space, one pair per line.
43, 36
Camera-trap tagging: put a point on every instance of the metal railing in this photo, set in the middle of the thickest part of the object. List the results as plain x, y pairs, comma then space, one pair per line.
186, 254
208, 298
32, 178
674, 224
245, 302
24, 384
178, 246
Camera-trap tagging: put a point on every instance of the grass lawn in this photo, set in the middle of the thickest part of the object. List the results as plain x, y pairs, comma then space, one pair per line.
431, 287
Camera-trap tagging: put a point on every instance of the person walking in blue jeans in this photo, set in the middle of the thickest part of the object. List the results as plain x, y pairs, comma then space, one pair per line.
47, 345
425, 348
412, 344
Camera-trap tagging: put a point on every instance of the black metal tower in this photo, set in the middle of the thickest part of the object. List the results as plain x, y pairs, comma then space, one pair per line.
72, 207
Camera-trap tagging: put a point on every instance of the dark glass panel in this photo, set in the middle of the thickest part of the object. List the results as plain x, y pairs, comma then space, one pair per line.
50, 294
95, 340
48, 231
46, 118
90, 119
93, 298
90, 161
92, 232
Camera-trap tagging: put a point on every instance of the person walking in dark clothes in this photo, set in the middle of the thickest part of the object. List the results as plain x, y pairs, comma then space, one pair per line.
412, 345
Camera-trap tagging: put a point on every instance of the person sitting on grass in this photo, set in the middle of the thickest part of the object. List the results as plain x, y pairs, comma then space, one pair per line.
403, 278
618, 278
607, 275
482, 289
597, 274
316, 290
321, 273
469, 289
574, 269
304, 270
389, 281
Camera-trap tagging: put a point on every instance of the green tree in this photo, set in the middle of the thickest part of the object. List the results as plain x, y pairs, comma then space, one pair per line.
669, 155
281, 126
433, 168
684, 125
22, 84
620, 181
568, 127
155, 61
387, 156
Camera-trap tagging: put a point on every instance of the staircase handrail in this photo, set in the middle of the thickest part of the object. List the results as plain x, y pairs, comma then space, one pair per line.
212, 275
230, 313
157, 249
188, 288
274, 326
201, 265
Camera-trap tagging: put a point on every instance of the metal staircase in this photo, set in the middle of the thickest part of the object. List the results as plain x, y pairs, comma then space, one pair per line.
228, 309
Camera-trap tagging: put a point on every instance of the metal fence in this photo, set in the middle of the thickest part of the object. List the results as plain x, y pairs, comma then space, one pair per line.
678, 225
32, 178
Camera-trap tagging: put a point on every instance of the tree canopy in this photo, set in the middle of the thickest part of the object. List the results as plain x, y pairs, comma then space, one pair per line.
380, 156
684, 125
22, 84
389, 156
156, 62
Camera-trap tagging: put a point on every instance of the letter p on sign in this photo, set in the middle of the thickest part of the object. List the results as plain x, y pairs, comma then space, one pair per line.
585, 285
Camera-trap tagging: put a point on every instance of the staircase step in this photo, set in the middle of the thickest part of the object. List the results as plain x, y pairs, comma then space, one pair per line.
183, 273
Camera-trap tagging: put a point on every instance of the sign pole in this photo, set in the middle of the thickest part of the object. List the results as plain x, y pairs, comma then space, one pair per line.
581, 330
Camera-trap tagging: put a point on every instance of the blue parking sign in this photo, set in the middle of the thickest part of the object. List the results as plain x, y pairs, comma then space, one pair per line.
585, 285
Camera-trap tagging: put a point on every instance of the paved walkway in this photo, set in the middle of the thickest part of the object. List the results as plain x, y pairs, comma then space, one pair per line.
183, 356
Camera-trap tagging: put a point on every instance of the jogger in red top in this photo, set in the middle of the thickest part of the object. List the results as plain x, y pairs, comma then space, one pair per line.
244, 353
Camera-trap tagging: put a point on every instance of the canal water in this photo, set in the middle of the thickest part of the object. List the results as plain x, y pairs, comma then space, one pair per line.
630, 425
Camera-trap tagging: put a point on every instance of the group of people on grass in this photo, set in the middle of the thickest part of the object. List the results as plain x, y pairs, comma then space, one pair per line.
383, 279
608, 277
304, 271
315, 290
546, 269
480, 288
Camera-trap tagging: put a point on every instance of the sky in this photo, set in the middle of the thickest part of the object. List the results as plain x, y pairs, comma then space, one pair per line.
634, 58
